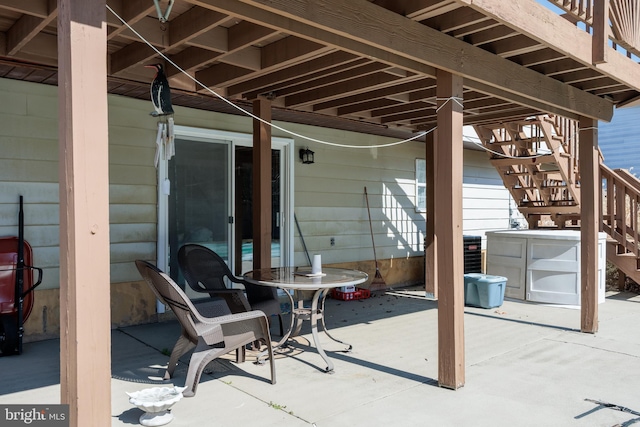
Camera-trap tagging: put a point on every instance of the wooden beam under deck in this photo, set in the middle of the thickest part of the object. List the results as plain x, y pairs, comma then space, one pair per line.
427, 46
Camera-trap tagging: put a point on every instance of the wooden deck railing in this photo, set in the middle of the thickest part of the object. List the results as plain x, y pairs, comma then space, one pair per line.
622, 28
619, 208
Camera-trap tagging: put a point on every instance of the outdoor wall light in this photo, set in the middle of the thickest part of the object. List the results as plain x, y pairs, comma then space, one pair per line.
306, 156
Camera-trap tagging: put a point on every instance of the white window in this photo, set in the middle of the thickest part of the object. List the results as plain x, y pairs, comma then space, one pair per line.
421, 185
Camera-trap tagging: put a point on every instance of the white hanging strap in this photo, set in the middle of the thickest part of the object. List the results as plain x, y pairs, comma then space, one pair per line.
170, 146
455, 99
158, 145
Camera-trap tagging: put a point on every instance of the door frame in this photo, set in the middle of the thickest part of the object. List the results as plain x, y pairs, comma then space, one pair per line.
286, 145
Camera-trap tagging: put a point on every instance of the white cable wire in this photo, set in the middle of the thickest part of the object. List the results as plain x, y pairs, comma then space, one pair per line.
248, 113
456, 99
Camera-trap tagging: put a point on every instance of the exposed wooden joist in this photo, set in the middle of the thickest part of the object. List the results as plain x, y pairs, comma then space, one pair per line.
190, 59
512, 46
273, 20
149, 28
295, 73
42, 48
134, 54
475, 28
365, 105
132, 11
560, 67
425, 9
359, 99
402, 108
532, 19
191, 24
290, 50
38, 8
216, 39
185, 27
339, 89
490, 35
330, 79
247, 33
220, 73
510, 97
455, 20
26, 28
427, 110
426, 45
539, 57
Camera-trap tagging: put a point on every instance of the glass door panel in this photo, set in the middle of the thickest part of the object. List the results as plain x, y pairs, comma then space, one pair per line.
244, 209
199, 199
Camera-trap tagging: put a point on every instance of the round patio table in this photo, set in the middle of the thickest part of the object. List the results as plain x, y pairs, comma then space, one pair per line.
301, 279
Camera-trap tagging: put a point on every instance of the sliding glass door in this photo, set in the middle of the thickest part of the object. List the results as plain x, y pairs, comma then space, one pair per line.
206, 197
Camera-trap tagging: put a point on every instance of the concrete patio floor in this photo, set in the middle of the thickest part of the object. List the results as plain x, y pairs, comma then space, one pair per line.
526, 365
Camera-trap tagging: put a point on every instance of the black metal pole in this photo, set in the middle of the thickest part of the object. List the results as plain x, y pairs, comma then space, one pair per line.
19, 298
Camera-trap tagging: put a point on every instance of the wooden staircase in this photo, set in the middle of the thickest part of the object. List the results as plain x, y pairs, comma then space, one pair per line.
538, 161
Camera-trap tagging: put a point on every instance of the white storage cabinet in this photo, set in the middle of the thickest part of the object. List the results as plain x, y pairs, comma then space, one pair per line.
542, 265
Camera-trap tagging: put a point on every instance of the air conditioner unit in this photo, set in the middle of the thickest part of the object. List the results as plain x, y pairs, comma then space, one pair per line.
472, 254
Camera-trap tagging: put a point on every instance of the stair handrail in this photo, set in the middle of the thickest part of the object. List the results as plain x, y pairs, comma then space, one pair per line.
621, 210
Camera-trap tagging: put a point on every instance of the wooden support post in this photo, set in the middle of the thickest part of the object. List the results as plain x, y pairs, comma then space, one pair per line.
85, 327
448, 231
262, 184
590, 188
600, 39
430, 262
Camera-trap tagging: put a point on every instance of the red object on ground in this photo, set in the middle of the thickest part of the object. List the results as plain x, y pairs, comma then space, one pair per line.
8, 269
358, 294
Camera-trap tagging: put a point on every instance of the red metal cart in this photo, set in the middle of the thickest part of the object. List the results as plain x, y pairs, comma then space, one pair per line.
16, 288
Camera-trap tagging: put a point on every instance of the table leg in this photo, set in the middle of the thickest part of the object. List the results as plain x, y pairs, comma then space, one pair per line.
298, 316
316, 315
285, 338
324, 326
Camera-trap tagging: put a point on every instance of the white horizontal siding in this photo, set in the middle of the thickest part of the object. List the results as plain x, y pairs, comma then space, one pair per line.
330, 199
329, 194
29, 167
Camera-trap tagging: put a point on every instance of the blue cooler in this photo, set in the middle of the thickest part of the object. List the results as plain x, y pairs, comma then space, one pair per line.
483, 290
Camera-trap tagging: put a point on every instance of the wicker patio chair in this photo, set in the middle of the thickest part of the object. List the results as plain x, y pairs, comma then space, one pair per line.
205, 271
211, 336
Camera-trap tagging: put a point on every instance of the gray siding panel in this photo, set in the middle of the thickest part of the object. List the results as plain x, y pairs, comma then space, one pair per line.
329, 195
29, 167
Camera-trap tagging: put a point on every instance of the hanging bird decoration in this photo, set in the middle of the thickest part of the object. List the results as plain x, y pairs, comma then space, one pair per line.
160, 92
161, 100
